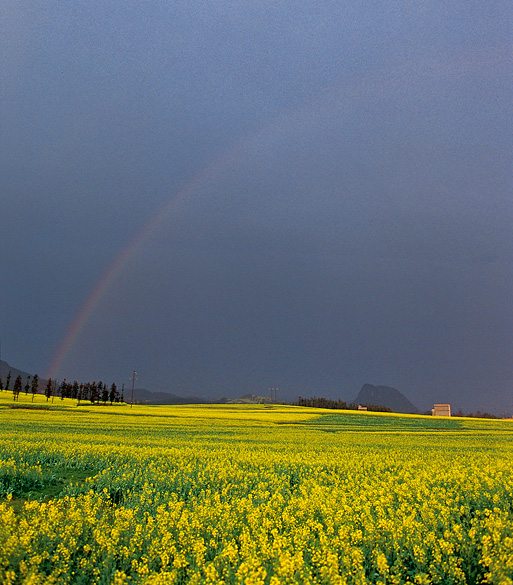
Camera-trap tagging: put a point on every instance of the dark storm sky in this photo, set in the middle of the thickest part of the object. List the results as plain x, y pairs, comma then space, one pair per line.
333, 179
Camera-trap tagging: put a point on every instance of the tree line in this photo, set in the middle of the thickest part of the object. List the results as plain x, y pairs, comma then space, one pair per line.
94, 392
30, 386
321, 402
478, 414
342, 405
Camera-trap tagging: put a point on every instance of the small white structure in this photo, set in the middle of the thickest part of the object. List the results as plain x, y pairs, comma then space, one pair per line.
360, 407
441, 410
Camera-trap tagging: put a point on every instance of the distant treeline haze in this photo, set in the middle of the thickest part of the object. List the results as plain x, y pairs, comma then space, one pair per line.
342, 405
337, 404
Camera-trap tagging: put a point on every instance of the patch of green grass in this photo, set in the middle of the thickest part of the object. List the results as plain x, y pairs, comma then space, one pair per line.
360, 421
58, 479
50, 485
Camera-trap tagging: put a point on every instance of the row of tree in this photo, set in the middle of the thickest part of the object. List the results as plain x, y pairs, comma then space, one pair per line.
336, 404
478, 414
18, 387
342, 405
94, 392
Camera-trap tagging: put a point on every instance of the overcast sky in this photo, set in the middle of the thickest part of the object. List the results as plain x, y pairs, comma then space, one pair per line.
227, 196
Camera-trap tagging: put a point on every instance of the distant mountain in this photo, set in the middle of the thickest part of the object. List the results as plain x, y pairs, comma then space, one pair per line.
5, 368
143, 396
250, 399
385, 396
146, 396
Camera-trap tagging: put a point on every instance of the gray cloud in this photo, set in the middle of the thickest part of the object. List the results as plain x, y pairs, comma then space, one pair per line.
339, 189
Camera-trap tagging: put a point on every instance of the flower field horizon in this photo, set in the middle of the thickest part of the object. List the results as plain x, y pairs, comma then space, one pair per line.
251, 494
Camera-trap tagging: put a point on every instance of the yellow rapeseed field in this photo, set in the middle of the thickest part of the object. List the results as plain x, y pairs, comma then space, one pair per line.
254, 495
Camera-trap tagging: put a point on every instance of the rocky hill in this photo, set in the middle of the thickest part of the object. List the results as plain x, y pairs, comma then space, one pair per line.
385, 396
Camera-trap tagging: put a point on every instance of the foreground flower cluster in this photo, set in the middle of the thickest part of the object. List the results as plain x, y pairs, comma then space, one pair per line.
253, 496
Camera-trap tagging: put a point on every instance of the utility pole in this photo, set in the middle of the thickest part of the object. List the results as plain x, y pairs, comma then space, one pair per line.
133, 383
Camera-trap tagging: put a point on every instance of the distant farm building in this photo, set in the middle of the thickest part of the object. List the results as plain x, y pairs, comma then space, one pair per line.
360, 407
441, 410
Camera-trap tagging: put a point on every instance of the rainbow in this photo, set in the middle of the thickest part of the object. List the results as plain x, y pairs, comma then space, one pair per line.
123, 258
304, 117
247, 148
212, 171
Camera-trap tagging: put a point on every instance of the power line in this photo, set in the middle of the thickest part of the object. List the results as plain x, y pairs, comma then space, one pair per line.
134, 375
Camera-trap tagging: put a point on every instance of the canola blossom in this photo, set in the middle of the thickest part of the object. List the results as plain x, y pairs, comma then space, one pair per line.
253, 495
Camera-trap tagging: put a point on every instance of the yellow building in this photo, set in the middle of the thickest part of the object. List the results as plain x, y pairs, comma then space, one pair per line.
441, 410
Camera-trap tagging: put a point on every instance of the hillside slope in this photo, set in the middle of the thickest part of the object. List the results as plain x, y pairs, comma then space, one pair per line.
385, 396
5, 368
